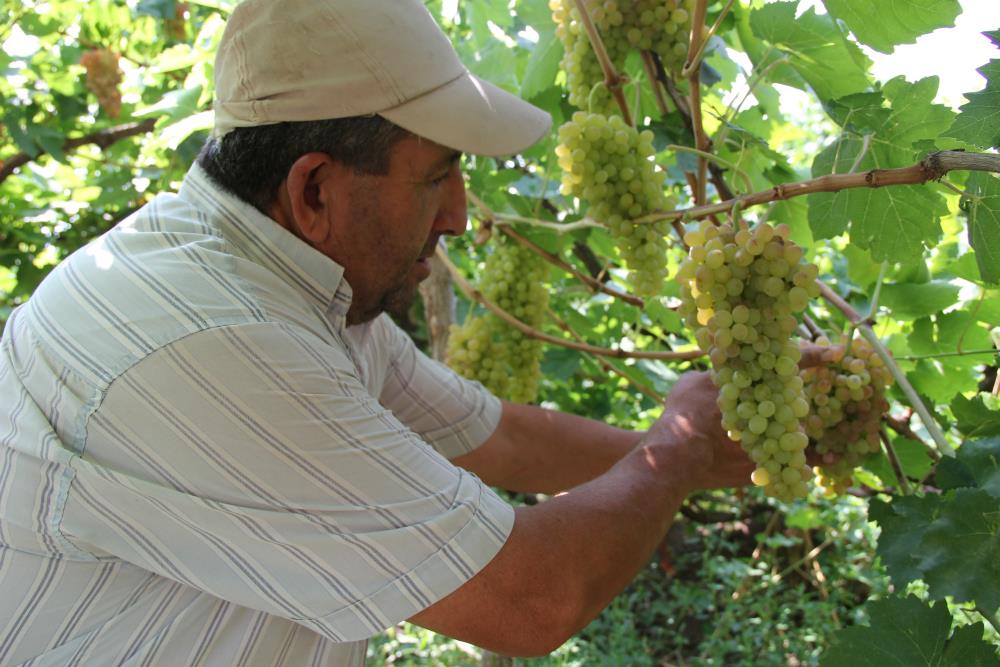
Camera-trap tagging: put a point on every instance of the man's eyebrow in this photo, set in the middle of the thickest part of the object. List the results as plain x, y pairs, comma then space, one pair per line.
450, 158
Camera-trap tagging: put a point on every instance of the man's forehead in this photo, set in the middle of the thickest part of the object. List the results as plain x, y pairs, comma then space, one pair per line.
423, 154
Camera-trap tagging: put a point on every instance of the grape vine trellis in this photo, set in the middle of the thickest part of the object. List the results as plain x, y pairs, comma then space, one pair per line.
893, 196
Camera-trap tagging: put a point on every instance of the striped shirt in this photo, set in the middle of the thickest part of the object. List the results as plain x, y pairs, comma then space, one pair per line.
201, 464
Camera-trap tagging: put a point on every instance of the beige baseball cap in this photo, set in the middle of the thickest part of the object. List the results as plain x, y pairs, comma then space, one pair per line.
297, 60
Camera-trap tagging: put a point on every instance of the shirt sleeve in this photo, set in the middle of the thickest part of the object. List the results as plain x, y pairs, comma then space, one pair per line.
250, 462
454, 414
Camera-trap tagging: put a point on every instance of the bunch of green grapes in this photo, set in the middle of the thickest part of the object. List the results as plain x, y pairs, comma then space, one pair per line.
176, 27
741, 291
487, 349
847, 401
610, 165
661, 26
583, 71
103, 78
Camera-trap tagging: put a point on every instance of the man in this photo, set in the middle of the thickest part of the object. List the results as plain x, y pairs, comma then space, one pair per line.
216, 450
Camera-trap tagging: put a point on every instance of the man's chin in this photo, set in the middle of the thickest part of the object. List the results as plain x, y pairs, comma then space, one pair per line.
397, 303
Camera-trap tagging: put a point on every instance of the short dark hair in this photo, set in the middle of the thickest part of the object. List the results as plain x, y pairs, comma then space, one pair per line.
252, 162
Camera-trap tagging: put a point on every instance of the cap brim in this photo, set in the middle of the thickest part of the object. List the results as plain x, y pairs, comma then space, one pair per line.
473, 116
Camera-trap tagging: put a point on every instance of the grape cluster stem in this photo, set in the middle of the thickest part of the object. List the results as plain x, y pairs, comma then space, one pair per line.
897, 468
612, 79
641, 388
694, 62
649, 67
694, 84
489, 218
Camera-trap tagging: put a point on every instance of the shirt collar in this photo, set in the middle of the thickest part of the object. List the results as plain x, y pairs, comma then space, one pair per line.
316, 276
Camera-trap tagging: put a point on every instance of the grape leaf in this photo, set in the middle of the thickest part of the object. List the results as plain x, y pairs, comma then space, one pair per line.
885, 24
893, 223
950, 332
968, 648
913, 459
983, 205
913, 300
977, 465
974, 417
939, 382
903, 523
560, 363
905, 632
860, 267
861, 112
831, 65
961, 549
979, 120
543, 66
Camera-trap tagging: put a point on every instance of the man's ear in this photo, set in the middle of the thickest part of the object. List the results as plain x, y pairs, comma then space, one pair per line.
312, 195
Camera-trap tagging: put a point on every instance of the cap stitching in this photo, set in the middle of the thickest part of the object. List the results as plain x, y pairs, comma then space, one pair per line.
429, 91
380, 73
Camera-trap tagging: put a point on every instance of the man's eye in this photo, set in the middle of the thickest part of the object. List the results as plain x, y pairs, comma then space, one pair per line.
441, 179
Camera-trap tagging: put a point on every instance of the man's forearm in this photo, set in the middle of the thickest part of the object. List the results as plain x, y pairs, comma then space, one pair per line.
542, 451
568, 557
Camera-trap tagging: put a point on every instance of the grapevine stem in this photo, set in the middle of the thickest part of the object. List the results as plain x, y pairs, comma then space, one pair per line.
943, 446
612, 78
694, 85
714, 158
649, 67
902, 427
989, 619
878, 289
699, 56
897, 468
995, 333
873, 307
812, 553
595, 285
101, 138
814, 329
753, 81
477, 296
559, 227
931, 168
646, 391
939, 355
866, 143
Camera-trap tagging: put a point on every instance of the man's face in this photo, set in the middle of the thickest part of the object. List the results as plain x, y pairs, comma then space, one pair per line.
393, 223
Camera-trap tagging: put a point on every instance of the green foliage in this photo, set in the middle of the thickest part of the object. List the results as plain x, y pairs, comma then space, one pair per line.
884, 25
881, 132
822, 57
908, 633
951, 540
979, 122
984, 224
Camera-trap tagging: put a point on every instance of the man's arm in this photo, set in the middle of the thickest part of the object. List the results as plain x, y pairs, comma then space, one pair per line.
544, 451
568, 557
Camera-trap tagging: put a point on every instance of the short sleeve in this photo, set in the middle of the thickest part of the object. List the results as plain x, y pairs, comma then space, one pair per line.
452, 413
250, 462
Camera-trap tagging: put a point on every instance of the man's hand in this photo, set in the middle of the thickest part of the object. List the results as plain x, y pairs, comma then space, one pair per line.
690, 428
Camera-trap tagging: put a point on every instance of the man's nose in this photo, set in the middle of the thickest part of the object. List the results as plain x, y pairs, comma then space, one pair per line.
453, 217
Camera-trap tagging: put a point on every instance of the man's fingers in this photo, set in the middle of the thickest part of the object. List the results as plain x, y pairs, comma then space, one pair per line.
815, 355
